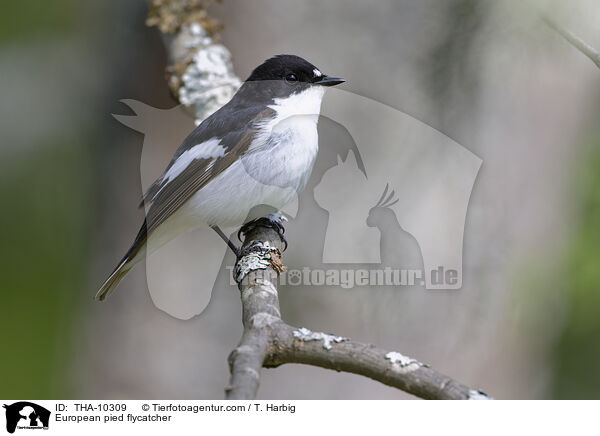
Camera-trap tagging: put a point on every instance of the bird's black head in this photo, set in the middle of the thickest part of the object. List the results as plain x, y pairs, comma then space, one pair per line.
279, 77
288, 74
292, 69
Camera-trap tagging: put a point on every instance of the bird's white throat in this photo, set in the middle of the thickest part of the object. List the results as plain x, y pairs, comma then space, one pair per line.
307, 102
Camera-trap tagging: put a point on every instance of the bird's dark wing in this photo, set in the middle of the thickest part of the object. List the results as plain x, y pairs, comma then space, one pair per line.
167, 195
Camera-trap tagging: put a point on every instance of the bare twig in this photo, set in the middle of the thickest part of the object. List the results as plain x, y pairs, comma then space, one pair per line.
388, 367
268, 341
574, 40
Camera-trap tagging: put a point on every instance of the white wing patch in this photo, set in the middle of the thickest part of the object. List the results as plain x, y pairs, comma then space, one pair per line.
317, 73
210, 149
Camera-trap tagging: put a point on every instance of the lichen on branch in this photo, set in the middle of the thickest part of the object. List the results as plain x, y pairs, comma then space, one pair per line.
170, 15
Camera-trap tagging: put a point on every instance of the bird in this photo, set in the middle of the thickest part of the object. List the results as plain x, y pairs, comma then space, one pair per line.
257, 150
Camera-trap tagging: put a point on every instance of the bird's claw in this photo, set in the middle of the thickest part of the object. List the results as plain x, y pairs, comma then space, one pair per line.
274, 221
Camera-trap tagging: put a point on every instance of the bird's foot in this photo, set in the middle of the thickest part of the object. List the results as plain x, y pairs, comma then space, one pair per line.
274, 221
237, 251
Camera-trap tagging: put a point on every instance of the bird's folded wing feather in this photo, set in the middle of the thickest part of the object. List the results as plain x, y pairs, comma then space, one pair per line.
167, 194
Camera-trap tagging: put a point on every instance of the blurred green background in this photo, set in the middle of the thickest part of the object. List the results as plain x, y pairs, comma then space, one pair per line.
61, 75
47, 219
577, 353
69, 174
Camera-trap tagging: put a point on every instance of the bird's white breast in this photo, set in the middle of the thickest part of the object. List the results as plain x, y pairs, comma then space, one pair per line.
287, 145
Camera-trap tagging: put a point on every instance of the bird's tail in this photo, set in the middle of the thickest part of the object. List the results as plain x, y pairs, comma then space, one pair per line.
113, 281
132, 257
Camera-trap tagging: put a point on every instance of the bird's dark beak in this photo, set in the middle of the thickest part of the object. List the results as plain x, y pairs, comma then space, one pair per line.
329, 81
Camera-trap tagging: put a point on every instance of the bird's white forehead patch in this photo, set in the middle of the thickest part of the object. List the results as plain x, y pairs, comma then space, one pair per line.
317, 73
210, 149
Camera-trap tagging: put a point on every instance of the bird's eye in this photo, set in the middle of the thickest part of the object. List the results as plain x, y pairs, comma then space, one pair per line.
291, 78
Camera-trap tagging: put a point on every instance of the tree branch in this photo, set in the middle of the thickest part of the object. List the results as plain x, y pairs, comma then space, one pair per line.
268, 341
574, 40
256, 274
200, 72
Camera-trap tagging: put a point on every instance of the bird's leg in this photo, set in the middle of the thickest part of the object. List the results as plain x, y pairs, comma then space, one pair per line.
273, 220
224, 237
